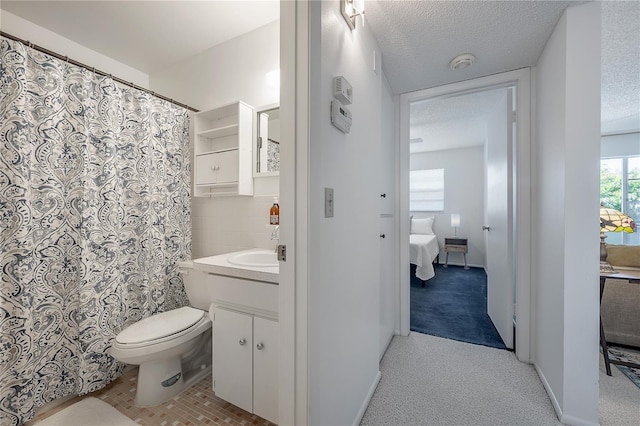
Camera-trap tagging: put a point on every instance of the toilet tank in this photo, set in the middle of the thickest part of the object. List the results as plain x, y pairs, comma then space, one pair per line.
195, 284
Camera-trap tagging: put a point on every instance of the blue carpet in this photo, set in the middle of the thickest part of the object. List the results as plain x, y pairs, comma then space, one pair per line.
453, 305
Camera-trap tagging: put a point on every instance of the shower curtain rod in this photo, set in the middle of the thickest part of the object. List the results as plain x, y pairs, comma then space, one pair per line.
96, 71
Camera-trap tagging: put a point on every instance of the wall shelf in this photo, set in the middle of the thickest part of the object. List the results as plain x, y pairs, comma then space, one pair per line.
223, 151
219, 132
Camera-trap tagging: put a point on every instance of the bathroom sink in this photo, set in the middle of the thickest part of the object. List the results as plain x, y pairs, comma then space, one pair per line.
259, 258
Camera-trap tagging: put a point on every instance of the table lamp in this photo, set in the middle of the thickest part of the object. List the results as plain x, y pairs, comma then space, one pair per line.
612, 221
455, 222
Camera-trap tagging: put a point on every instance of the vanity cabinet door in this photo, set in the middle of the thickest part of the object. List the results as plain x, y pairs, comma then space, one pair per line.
265, 368
233, 357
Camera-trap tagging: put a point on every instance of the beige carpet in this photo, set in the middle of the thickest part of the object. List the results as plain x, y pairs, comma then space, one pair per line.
88, 412
428, 380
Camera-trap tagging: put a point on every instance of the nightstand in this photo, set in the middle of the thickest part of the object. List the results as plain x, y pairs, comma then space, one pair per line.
455, 245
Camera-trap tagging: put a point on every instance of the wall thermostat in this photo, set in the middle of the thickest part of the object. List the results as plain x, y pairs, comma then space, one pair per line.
340, 116
342, 90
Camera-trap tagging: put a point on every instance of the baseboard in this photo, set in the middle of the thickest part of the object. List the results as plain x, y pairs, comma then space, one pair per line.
365, 404
569, 420
386, 346
547, 388
462, 264
563, 418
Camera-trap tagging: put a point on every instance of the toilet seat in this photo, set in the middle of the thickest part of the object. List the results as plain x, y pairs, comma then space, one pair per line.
161, 327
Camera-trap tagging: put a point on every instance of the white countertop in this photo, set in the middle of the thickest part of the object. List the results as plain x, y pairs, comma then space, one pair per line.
220, 265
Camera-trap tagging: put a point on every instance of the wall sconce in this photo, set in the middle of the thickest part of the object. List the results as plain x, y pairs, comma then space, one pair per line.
455, 222
350, 10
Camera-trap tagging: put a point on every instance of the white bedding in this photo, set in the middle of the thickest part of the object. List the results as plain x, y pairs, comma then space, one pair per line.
423, 249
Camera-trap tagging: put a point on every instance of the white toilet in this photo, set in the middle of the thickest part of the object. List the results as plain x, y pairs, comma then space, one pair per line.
173, 348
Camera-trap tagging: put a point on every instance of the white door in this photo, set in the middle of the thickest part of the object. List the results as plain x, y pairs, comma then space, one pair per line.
233, 357
499, 218
265, 368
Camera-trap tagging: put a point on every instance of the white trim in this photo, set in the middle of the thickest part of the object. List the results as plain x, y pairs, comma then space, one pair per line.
386, 345
620, 133
564, 419
301, 177
400, 272
552, 396
522, 81
292, 386
365, 404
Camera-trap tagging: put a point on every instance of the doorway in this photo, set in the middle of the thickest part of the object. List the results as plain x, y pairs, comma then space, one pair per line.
459, 149
520, 216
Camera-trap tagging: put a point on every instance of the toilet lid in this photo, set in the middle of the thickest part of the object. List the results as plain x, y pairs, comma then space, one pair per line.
160, 325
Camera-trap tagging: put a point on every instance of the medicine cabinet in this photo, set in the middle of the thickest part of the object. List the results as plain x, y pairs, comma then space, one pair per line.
267, 157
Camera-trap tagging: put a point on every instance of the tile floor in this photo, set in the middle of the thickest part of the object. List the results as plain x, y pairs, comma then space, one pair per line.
196, 405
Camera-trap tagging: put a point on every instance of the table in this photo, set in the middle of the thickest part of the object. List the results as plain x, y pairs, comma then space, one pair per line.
634, 278
455, 245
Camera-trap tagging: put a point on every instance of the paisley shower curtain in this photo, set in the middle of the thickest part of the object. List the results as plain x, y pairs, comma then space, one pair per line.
94, 214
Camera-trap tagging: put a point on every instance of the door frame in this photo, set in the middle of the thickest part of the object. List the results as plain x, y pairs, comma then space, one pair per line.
293, 392
497, 294
521, 80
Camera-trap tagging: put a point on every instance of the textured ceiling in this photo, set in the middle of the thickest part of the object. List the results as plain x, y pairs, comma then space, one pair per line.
147, 35
453, 122
620, 66
419, 38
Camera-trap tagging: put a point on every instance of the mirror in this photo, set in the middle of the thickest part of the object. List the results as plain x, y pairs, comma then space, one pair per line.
268, 142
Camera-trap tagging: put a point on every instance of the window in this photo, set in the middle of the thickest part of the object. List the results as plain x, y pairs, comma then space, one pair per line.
620, 190
426, 190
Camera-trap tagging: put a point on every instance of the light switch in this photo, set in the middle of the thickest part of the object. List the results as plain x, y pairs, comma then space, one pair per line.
328, 202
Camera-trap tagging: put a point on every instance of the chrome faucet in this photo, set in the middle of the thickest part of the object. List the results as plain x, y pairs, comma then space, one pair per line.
275, 235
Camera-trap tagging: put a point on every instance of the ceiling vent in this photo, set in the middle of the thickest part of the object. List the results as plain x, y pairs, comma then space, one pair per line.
463, 61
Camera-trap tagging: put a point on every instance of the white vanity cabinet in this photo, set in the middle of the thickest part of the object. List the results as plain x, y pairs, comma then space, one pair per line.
223, 150
245, 361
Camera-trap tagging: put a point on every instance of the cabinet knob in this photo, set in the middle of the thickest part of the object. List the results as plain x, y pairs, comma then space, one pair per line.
259, 346
382, 236
383, 195
242, 341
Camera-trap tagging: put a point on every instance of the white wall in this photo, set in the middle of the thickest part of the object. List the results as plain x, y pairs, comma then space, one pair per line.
40, 36
464, 194
228, 72
565, 264
234, 70
344, 251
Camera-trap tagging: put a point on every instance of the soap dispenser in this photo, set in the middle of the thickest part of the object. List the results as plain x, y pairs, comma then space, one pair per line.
274, 213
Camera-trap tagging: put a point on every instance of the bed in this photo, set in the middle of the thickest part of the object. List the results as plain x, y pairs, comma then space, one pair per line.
423, 247
423, 250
